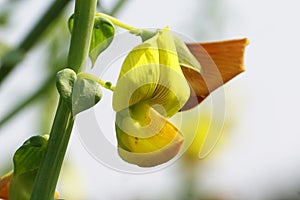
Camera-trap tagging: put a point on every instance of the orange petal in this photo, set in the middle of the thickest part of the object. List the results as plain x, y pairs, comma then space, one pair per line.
220, 62
4, 186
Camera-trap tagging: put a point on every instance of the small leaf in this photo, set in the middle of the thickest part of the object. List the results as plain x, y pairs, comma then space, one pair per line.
102, 36
28, 156
64, 82
86, 93
26, 163
103, 33
79, 93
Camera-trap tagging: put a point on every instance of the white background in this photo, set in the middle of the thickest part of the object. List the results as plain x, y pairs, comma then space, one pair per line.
260, 156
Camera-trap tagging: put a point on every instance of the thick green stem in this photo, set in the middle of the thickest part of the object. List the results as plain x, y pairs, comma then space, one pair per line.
49, 170
48, 173
12, 58
81, 34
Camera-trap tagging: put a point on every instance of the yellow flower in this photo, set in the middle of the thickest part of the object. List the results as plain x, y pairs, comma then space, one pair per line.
150, 89
158, 78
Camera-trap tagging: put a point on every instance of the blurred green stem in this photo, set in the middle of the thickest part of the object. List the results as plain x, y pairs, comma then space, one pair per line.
119, 23
12, 58
188, 189
43, 89
49, 170
117, 7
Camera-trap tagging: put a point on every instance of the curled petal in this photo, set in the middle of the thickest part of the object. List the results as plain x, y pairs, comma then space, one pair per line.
153, 150
220, 62
151, 73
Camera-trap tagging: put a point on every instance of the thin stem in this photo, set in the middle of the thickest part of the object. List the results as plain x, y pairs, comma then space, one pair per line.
143, 33
49, 169
13, 57
106, 84
119, 23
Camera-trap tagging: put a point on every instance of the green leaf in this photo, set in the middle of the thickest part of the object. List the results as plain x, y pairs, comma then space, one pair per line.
86, 93
103, 33
26, 163
80, 93
102, 36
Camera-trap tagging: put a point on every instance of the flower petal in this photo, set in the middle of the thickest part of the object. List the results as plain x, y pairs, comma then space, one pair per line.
227, 56
153, 150
151, 72
185, 57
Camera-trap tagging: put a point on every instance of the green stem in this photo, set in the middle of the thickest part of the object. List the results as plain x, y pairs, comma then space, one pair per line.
105, 84
42, 91
81, 34
13, 57
119, 23
49, 170
143, 33
48, 173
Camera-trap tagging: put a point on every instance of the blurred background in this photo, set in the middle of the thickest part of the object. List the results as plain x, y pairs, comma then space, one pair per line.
258, 155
